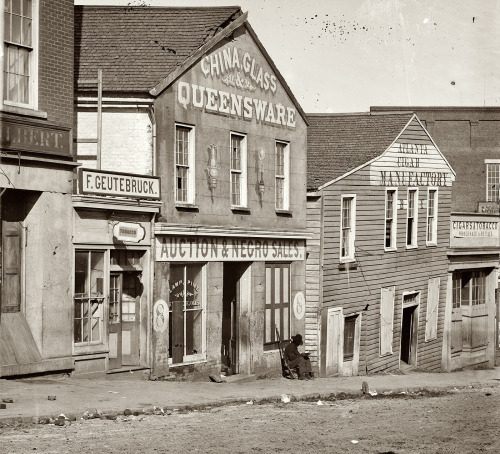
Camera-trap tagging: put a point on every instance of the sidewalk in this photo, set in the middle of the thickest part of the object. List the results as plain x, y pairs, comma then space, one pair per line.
73, 396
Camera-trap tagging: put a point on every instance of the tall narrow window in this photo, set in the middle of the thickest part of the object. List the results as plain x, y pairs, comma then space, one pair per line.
492, 181
347, 227
19, 52
186, 313
238, 170
277, 308
282, 175
349, 331
412, 218
184, 164
89, 297
432, 203
390, 219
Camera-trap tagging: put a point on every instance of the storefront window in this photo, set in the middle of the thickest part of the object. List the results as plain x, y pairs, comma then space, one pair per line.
277, 310
89, 297
186, 313
469, 288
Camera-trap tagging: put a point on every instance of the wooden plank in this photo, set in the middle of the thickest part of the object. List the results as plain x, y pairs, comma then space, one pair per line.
17, 343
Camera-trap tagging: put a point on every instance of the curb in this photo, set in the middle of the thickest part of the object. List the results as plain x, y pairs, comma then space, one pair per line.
166, 410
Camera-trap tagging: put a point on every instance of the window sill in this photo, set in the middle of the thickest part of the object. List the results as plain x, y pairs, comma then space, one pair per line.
345, 266
391, 249
411, 247
26, 111
186, 363
288, 213
186, 206
236, 209
431, 244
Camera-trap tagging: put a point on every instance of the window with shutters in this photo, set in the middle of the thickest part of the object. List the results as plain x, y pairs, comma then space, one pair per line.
390, 219
277, 307
386, 319
431, 318
20, 43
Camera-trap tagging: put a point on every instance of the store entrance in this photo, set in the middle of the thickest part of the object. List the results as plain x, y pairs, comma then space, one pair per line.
231, 302
409, 335
123, 322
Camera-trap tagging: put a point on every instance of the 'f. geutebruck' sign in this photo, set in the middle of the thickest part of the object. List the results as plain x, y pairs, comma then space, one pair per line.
100, 182
222, 249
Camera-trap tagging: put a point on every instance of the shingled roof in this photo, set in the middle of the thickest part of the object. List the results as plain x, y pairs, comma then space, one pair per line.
339, 143
137, 47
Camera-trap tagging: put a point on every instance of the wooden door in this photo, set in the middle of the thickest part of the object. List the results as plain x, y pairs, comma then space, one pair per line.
234, 345
130, 317
115, 321
334, 340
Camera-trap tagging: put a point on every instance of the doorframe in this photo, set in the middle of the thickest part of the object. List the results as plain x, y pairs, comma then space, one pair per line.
244, 352
331, 345
416, 313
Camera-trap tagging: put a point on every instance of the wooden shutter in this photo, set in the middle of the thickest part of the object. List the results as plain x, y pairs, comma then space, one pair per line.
431, 318
386, 319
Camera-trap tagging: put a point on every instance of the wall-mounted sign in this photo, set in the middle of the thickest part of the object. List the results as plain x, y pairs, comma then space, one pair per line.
222, 249
474, 229
24, 136
160, 316
101, 182
129, 232
299, 305
488, 208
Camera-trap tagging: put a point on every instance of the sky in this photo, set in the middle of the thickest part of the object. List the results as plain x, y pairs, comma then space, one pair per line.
347, 55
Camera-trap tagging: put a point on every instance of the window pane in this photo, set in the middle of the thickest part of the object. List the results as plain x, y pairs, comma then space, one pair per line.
285, 284
269, 328
78, 330
268, 286
277, 320
27, 8
6, 33
97, 273
277, 286
81, 273
193, 332
235, 189
26, 37
286, 327
16, 6
16, 29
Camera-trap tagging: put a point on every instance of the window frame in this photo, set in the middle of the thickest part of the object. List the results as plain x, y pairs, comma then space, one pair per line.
433, 240
414, 219
284, 178
489, 163
102, 303
394, 220
242, 171
350, 257
190, 172
33, 81
272, 306
198, 357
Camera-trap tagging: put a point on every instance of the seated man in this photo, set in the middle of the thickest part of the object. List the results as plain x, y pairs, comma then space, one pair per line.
295, 358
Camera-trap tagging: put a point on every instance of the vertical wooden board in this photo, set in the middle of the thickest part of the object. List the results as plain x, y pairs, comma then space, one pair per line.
431, 319
160, 335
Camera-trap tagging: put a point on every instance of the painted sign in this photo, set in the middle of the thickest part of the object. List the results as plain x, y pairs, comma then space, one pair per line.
238, 70
160, 316
299, 305
100, 182
477, 229
408, 164
211, 249
129, 232
488, 208
15, 135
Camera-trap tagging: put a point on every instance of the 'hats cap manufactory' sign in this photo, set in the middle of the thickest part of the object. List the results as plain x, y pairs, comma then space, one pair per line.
100, 182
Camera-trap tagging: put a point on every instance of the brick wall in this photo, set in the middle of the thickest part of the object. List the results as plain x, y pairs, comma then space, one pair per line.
55, 61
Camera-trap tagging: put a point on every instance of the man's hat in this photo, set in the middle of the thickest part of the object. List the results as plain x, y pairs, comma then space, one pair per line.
297, 339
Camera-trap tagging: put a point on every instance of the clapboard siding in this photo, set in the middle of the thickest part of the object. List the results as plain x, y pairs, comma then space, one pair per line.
406, 269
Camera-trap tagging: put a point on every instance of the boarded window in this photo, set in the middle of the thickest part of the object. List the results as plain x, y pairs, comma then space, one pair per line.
386, 319
431, 318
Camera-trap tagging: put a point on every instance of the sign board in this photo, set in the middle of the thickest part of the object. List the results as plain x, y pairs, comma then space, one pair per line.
160, 316
101, 182
19, 135
299, 305
223, 249
488, 208
129, 232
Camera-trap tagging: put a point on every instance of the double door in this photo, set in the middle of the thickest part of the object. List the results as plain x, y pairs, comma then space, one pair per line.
125, 294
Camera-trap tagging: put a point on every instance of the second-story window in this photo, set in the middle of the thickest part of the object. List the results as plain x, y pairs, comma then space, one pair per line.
184, 164
492, 181
282, 176
390, 219
19, 53
432, 204
412, 218
238, 170
347, 227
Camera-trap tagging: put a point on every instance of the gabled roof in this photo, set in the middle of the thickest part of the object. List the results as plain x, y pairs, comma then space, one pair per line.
339, 143
136, 47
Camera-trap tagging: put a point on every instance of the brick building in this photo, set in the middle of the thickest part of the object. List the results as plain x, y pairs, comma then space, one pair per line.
36, 172
216, 122
469, 137
378, 207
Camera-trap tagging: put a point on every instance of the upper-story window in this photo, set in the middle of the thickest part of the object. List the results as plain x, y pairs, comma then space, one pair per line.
282, 176
492, 180
432, 204
347, 227
238, 170
390, 219
412, 218
20, 53
184, 164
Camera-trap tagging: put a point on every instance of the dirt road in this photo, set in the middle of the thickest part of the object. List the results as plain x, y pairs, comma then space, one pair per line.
464, 422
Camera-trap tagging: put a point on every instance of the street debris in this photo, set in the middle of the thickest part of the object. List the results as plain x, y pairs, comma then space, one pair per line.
8, 400
285, 399
320, 403
215, 378
372, 393
354, 442
51, 397
250, 402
